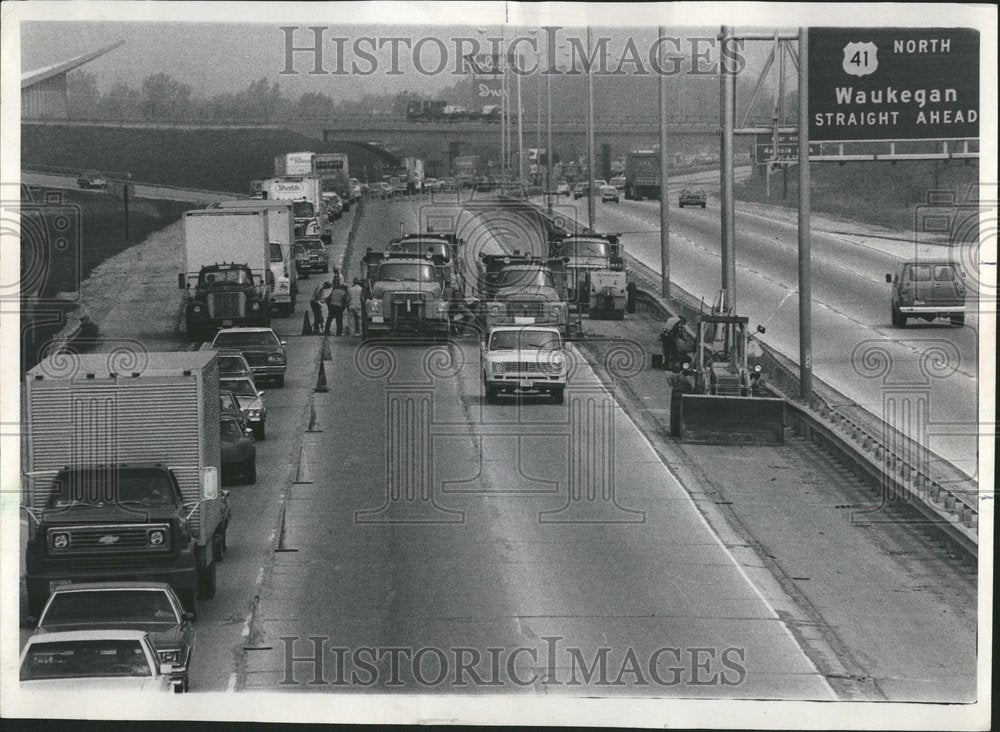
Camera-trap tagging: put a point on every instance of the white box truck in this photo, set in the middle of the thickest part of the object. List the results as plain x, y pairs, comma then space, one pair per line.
293, 163
281, 235
306, 194
122, 472
227, 256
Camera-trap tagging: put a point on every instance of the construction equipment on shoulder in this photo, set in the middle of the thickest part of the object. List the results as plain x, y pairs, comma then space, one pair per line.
718, 394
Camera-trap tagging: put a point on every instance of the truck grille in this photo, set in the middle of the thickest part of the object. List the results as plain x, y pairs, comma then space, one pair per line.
415, 311
226, 305
108, 539
526, 309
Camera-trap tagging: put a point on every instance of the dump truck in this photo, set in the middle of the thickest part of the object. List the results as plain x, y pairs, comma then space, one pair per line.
405, 294
642, 174
516, 289
596, 281
227, 258
122, 472
280, 231
443, 252
718, 394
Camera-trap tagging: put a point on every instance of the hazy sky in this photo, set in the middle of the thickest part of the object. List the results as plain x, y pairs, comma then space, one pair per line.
216, 58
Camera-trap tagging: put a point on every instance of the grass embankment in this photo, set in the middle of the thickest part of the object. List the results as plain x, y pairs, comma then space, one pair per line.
219, 160
56, 258
879, 193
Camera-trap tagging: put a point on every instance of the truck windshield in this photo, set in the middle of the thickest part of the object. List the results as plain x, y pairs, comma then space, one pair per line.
510, 340
239, 276
84, 659
92, 486
532, 277
303, 210
109, 607
311, 244
406, 272
584, 248
434, 248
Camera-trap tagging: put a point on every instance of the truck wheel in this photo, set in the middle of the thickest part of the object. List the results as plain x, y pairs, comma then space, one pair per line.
958, 320
206, 580
258, 432
558, 395
895, 316
219, 546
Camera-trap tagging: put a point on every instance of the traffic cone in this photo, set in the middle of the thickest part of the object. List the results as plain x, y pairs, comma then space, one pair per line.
306, 327
321, 380
313, 421
301, 474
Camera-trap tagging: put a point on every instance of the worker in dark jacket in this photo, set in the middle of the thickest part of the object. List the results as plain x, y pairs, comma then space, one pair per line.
672, 339
335, 305
319, 296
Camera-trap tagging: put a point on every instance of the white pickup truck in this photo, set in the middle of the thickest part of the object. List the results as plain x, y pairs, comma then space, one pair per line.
524, 358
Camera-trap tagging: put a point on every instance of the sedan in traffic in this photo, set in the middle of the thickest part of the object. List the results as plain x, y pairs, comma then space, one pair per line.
261, 348
151, 607
251, 403
692, 197
239, 453
609, 193
319, 259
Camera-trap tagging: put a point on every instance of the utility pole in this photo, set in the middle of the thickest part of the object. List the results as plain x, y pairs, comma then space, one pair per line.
520, 128
805, 263
664, 215
727, 89
538, 128
548, 138
591, 213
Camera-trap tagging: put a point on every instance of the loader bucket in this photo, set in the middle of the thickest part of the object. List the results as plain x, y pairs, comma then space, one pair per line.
731, 420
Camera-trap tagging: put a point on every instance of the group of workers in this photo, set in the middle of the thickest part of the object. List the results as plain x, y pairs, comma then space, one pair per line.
338, 298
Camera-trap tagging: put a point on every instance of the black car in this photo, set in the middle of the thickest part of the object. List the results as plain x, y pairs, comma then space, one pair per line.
319, 259
239, 453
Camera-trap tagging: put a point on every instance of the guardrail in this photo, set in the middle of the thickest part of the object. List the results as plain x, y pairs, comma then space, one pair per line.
943, 495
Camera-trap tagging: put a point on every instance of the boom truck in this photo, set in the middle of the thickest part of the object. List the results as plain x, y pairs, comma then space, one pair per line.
227, 255
122, 473
281, 243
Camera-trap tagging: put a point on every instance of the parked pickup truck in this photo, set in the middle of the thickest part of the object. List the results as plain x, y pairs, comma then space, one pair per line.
927, 290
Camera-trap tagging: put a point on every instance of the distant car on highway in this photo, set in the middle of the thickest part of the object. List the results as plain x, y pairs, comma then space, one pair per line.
251, 403
239, 454
562, 188
524, 358
319, 258
152, 607
261, 348
692, 197
609, 193
92, 180
927, 290
581, 190
94, 661
599, 183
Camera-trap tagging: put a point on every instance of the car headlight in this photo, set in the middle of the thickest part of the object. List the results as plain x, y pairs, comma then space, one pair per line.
494, 309
275, 358
170, 656
59, 540
442, 307
157, 537
556, 310
253, 411
255, 306
374, 307
498, 368
757, 369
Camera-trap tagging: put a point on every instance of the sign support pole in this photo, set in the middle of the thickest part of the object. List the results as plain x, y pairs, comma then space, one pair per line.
805, 265
728, 93
664, 215
591, 173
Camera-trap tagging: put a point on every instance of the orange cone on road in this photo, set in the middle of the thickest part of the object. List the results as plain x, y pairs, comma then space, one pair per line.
321, 380
306, 328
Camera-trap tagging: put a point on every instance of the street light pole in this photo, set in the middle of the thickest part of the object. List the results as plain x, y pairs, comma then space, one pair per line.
548, 137
805, 260
520, 129
591, 213
664, 215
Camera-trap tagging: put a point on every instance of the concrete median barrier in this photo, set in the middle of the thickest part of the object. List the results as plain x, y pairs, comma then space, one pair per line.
728, 420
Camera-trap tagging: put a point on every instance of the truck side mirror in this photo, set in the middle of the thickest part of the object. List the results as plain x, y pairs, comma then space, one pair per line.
888, 278
182, 280
209, 483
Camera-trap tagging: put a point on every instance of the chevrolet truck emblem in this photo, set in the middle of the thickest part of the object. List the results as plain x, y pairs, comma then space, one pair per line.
108, 539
